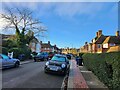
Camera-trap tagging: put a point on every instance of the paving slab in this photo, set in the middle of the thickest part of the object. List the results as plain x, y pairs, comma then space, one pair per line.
92, 80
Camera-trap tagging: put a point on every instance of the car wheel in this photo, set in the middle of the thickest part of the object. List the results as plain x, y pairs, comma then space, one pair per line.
34, 60
17, 64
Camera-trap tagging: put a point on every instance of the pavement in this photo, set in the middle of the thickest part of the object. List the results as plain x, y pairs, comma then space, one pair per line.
80, 77
91, 80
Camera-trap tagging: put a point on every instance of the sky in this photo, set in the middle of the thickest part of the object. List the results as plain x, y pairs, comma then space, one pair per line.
71, 24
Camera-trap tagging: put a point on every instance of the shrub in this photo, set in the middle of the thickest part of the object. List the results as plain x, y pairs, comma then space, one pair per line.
21, 51
4, 50
16, 52
106, 66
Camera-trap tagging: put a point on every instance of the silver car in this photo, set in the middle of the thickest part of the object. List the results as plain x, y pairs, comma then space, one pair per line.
7, 62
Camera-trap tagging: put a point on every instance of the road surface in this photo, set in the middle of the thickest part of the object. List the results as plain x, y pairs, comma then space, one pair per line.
30, 75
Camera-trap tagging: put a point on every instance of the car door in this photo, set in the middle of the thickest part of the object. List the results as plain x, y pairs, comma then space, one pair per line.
6, 61
0, 62
10, 61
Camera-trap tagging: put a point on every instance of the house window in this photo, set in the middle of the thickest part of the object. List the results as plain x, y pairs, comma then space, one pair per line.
112, 44
99, 45
33, 44
105, 45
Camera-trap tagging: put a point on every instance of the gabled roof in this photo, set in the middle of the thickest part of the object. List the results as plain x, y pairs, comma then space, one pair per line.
45, 45
4, 36
100, 39
112, 39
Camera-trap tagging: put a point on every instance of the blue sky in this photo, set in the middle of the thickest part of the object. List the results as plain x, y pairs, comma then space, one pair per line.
72, 24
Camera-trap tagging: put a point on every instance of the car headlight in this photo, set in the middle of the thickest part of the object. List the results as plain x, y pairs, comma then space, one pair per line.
47, 63
63, 65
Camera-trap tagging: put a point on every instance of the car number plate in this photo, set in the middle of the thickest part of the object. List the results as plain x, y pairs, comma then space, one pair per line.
54, 68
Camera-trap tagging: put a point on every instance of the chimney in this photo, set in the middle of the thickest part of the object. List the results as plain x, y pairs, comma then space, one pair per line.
55, 45
99, 33
86, 43
49, 42
117, 33
40, 42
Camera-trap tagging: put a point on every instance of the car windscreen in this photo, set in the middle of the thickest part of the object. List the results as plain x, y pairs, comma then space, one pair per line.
58, 58
5, 57
39, 54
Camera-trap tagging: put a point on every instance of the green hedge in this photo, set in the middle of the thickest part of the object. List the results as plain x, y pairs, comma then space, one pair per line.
17, 51
4, 50
106, 66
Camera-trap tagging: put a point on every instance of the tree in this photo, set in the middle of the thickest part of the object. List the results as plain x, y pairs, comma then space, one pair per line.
21, 20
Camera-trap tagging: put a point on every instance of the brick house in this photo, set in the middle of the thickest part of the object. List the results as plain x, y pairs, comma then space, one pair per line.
47, 47
70, 51
102, 43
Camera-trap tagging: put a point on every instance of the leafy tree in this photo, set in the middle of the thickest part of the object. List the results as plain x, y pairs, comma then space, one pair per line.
21, 20
9, 43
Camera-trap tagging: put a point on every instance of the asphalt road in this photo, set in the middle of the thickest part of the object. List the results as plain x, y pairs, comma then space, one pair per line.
30, 75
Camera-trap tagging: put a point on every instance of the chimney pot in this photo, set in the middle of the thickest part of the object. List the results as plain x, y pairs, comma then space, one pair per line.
117, 33
48, 42
99, 33
40, 42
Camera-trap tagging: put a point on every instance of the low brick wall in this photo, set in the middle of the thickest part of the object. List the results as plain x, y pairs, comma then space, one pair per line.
76, 79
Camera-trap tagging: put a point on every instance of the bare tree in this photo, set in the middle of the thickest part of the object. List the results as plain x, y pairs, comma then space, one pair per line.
21, 20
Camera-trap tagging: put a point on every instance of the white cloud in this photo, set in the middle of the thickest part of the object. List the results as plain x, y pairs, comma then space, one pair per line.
72, 9
62, 9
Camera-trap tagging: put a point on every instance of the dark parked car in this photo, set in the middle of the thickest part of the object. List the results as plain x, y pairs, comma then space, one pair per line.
69, 56
41, 56
58, 64
79, 60
7, 62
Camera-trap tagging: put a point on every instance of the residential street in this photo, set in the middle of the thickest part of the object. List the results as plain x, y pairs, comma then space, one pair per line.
30, 75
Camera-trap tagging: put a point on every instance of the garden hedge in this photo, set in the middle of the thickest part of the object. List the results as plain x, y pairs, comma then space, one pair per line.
18, 51
106, 66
